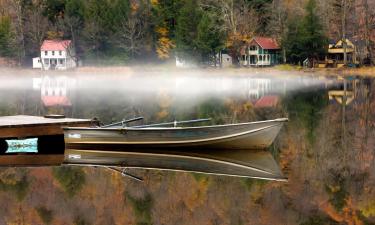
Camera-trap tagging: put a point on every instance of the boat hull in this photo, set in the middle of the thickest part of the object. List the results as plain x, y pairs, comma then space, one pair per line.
240, 163
254, 135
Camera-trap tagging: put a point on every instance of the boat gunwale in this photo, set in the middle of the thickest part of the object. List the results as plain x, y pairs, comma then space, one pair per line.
281, 120
197, 141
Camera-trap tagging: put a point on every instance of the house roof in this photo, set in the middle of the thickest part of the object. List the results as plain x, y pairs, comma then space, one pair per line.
55, 45
56, 101
266, 42
267, 101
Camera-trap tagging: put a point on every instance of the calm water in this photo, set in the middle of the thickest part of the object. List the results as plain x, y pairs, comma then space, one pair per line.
327, 150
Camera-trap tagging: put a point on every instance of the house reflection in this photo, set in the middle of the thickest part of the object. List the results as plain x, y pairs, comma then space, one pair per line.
347, 92
54, 93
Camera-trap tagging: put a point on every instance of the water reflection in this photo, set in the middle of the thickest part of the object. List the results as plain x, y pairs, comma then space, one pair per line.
326, 150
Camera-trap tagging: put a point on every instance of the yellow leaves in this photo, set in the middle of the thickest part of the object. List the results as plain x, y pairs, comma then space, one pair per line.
54, 35
235, 38
164, 44
164, 47
367, 207
348, 215
164, 101
162, 31
10, 176
199, 196
154, 2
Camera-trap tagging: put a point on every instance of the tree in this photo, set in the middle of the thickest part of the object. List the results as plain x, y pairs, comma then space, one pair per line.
132, 30
305, 39
210, 37
186, 30
313, 36
6, 37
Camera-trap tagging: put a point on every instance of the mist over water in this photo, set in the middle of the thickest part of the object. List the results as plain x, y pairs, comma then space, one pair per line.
196, 84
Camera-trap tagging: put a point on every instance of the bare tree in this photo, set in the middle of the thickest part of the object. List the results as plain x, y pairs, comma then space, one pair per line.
131, 33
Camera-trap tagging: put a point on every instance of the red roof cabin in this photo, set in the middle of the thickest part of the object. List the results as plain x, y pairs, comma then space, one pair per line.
261, 51
55, 55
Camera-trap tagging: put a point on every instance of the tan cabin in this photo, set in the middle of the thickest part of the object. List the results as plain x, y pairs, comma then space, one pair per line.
335, 55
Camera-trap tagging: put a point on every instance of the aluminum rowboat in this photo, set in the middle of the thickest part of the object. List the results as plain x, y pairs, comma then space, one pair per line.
251, 135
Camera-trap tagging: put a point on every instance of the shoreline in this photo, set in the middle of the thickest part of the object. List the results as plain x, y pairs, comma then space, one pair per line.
151, 69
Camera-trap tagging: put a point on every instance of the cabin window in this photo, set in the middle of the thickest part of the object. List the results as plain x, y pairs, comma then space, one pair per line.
60, 52
45, 53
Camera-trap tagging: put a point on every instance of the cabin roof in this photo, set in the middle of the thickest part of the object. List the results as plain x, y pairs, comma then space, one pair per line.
267, 101
55, 45
266, 42
56, 101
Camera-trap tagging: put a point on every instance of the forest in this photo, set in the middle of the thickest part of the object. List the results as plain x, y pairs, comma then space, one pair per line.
107, 32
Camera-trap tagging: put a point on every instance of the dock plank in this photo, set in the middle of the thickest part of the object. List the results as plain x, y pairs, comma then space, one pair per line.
31, 126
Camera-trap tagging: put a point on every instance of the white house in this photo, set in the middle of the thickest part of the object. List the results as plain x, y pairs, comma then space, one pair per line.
55, 55
262, 51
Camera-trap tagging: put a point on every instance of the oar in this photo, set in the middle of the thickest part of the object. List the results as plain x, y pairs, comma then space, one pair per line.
122, 122
124, 173
174, 123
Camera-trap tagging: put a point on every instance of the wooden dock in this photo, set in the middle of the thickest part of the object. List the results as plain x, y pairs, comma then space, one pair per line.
22, 126
50, 136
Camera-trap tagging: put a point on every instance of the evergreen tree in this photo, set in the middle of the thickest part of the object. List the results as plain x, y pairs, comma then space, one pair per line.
186, 30
305, 39
313, 35
6, 37
210, 38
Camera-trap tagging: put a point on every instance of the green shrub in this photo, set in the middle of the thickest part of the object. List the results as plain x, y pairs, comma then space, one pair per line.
44, 214
71, 179
80, 221
20, 187
200, 176
142, 208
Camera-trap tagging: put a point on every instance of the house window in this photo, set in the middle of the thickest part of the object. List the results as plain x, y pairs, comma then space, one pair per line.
260, 58
60, 52
253, 48
243, 57
53, 52
61, 61
46, 61
45, 53
268, 57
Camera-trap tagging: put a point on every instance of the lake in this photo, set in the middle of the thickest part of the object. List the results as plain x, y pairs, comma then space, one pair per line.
326, 150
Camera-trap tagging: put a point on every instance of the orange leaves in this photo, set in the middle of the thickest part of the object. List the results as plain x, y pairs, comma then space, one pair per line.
154, 2
348, 215
164, 101
235, 38
54, 35
163, 48
164, 44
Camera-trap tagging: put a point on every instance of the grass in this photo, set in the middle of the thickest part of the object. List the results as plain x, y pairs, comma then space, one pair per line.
287, 67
